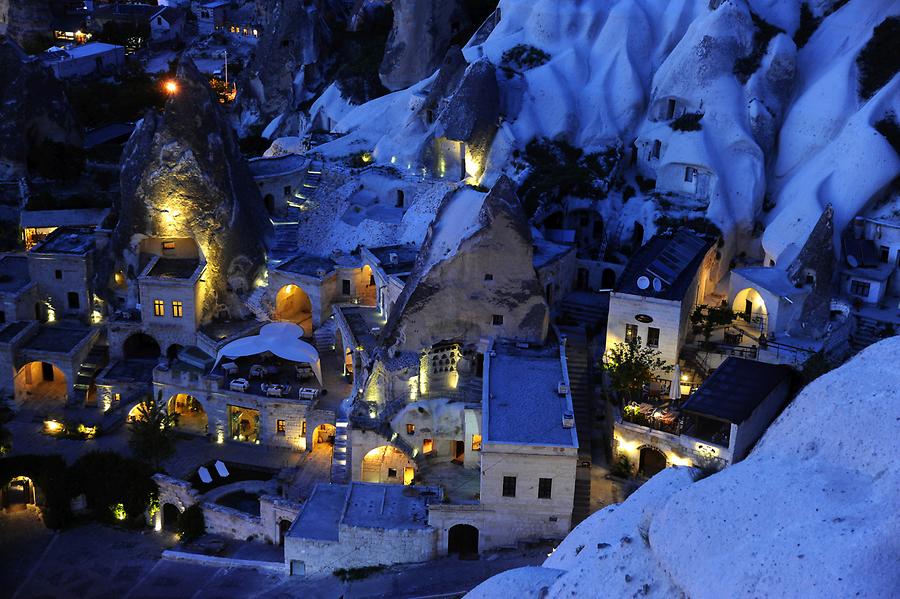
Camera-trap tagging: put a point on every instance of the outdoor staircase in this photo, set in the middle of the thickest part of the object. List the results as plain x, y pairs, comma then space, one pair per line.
324, 336
578, 360
340, 461
868, 331
585, 308
695, 365
255, 304
286, 231
96, 360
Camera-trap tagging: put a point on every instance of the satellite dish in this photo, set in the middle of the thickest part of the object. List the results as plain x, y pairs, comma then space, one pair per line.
657, 285
852, 261
643, 282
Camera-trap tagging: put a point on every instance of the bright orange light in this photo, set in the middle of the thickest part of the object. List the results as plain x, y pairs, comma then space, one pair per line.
171, 86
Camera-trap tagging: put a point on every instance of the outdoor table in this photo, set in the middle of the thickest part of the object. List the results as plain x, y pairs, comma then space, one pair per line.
308, 393
239, 385
257, 371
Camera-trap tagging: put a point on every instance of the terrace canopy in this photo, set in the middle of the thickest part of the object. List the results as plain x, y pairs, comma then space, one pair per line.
279, 338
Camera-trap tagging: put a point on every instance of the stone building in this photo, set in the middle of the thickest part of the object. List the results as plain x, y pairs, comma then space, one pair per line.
19, 299
716, 426
658, 290
359, 525
62, 266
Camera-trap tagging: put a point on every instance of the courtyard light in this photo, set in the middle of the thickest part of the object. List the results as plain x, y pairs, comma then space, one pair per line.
171, 87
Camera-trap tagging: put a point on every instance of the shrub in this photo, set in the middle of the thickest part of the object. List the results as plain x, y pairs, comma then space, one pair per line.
107, 479
349, 574
524, 57
191, 525
879, 60
763, 33
890, 129
689, 121
558, 169
621, 467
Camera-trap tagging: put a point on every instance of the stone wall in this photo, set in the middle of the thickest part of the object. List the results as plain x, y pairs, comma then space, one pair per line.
666, 317
358, 547
76, 276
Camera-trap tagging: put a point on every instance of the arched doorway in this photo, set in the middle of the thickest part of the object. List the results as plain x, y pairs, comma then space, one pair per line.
652, 461
191, 415
41, 381
750, 306
170, 514
283, 527
269, 202
140, 346
637, 237
462, 539
323, 437
608, 279
399, 203
386, 464
293, 305
582, 279
18, 493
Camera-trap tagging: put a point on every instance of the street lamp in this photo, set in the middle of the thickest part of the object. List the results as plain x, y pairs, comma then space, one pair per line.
171, 87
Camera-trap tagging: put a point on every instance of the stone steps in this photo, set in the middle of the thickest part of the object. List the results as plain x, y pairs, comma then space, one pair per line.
255, 304
324, 336
340, 461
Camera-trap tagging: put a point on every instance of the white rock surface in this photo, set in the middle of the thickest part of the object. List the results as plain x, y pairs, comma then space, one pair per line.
812, 512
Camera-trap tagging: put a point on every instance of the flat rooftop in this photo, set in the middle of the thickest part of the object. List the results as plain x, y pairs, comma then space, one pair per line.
276, 166
523, 405
174, 268
362, 320
365, 505
58, 337
131, 370
67, 240
13, 273
307, 264
11, 329
404, 257
546, 251
736, 388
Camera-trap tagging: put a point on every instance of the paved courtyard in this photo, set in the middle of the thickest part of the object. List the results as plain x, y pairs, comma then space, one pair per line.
99, 562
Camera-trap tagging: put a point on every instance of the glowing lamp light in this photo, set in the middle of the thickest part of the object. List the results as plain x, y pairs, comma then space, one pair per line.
367, 157
171, 87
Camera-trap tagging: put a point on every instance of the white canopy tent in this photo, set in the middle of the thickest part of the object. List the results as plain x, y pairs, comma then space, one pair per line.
281, 339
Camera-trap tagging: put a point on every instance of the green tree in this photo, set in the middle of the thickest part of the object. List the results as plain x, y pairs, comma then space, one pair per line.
630, 366
153, 432
708, 318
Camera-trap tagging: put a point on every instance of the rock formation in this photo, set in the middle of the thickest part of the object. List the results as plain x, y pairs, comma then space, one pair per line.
34, 111
183, 176
476, 257
26, 21
809, 513
420, 36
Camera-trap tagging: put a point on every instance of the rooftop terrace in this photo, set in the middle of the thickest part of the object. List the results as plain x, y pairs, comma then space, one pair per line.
67, 240
174, 268
60, 337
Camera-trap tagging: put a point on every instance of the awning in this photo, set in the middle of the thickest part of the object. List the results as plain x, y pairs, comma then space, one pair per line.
281, 339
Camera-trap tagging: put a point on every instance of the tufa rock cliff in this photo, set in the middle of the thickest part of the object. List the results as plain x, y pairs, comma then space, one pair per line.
183, 176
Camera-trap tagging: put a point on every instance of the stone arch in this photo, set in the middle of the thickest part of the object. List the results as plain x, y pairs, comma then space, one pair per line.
651, 461
323, 435
750, 305
41, 380
269, 203
284, 525
385, 464
140, 346
292, 304
169, 513
462, 539
18, 493
192, 416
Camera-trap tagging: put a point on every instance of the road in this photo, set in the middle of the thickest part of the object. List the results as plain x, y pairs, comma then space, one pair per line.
99, 562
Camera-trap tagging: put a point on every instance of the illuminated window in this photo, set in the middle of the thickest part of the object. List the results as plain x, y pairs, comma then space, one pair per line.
509, 486
545, 488
177, 309
427, 445
117, 396
168, 246
279, 426
303, 428
159, 308
410, 429
476, 442
630, 333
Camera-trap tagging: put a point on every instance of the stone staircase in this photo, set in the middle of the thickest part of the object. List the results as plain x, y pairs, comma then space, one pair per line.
578, 360
341, 459
286, 232
96, 360
585, 308
324, 336
256, 304
867, 332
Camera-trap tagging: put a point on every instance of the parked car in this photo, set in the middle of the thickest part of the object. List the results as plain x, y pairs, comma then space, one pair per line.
239, 385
